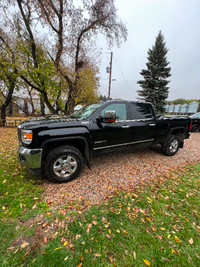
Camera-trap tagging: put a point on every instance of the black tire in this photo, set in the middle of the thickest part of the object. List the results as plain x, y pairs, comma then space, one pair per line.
172, 146
63, 164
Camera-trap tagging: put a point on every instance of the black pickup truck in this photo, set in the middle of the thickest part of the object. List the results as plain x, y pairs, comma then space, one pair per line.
61, 145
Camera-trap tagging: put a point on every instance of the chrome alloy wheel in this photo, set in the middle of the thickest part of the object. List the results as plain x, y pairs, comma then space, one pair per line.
173, 146
65, 166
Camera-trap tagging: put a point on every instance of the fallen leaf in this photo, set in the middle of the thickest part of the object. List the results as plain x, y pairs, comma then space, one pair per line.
175, 251
25, 256
77, 236
147, 262
177, 239
25, 244
191, 241
134, 255
108, 236
57, 248
89, 227
97, 255
94, 223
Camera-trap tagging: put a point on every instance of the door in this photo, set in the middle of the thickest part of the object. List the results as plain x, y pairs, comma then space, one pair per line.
104, 134
142, 123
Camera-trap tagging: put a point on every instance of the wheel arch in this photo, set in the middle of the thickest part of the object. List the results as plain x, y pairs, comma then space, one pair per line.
179, 132
78, 142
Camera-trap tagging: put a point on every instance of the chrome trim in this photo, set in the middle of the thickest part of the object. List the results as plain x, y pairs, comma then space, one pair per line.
135, 120
124, 144
31, 158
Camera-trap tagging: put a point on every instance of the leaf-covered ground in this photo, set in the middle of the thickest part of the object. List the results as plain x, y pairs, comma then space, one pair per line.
148, 215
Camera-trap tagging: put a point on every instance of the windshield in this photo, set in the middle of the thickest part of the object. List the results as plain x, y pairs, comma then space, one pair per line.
86, 111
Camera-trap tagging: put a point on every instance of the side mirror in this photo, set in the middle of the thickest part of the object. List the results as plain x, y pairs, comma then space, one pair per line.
109, 117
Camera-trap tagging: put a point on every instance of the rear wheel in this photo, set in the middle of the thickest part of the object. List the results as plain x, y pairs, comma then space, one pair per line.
172, 146
195, 128
63, 164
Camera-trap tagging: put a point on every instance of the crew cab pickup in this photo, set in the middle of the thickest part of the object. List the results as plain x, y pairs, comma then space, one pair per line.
59, 146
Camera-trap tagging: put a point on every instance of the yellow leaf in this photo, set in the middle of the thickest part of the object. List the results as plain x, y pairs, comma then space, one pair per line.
134, 255
57, 248
66, 258
109, 231
162, 228
147, 262
153, 211
168, 236
175, 251
65, 243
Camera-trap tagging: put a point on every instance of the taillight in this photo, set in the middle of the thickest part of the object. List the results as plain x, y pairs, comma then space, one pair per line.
190, 125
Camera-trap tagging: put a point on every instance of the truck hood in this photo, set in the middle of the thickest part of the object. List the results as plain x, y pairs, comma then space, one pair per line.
52, 122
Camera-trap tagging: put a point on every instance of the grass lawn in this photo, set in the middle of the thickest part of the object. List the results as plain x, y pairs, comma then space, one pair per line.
156, 224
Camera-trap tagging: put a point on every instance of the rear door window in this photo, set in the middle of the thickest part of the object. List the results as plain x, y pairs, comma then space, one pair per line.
140, 111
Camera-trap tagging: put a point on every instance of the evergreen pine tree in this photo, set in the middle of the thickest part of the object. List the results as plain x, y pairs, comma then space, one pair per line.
154, 86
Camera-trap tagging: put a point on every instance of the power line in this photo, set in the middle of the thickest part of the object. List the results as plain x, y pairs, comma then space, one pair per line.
123, 76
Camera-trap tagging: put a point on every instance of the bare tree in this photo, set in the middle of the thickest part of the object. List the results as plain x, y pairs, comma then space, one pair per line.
74, 30
68, 38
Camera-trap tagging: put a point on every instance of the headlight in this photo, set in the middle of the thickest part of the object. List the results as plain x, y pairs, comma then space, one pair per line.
26, 136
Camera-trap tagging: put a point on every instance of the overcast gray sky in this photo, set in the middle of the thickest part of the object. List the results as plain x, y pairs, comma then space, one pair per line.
179, 21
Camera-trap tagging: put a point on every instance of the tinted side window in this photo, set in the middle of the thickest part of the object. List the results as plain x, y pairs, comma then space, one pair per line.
120, 109
141, 111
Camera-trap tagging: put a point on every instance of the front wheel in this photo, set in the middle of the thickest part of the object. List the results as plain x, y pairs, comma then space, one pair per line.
172, 146
63, 164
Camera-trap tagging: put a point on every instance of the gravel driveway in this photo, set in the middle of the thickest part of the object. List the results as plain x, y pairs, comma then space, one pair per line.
121, 170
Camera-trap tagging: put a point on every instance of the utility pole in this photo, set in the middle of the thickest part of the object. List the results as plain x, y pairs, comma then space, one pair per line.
110, 74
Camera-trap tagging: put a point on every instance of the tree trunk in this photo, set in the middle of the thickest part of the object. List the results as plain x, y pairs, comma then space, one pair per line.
50, 107
10, 109
3, 114
42, 106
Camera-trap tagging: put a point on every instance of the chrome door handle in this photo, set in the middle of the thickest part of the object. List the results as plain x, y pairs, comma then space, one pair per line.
125, 126
152, 124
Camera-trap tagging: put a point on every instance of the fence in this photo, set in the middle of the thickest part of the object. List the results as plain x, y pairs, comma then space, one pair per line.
10, 122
